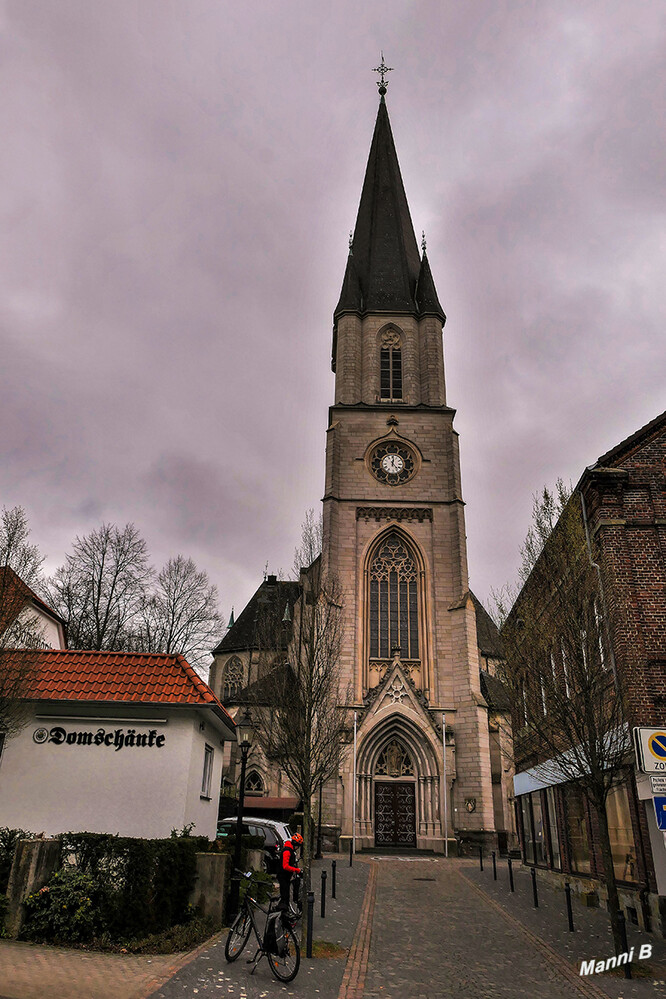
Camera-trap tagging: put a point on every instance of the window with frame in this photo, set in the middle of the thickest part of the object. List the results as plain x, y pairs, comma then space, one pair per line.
528, 833
394, 617
207, 776
390, 364
254, 784
234, 676
576, 827
621, 834
552, 828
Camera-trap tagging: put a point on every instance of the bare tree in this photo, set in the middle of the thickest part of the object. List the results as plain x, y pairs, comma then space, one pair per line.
300, 726
20, 631
568, 700
180, 615
101, 587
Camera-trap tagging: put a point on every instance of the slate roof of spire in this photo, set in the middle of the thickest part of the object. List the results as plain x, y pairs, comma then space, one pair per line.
268, 602
384, 265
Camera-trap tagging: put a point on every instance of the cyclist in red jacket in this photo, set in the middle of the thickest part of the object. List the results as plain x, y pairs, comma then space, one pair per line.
288, 867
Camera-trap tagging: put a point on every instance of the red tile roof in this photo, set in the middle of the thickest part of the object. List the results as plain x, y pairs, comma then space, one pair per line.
144, 677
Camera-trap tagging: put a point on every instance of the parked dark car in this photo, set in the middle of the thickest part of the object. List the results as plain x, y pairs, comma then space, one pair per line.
273, 833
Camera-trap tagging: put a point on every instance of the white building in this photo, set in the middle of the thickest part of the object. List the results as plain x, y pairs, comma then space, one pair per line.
126, 743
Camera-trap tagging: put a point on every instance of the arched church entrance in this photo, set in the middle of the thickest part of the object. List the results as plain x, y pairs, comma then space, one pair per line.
395, 798
398, 786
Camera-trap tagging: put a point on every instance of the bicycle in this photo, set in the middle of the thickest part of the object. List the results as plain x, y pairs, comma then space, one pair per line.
284, 956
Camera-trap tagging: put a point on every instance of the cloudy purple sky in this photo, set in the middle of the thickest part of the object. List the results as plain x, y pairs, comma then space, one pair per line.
178, 181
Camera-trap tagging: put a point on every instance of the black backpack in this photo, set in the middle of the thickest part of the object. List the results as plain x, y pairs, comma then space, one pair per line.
275, 937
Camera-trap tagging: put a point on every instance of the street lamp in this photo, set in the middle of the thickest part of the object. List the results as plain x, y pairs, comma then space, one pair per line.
244, 732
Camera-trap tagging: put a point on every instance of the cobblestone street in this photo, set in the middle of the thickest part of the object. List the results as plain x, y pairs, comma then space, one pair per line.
410, 927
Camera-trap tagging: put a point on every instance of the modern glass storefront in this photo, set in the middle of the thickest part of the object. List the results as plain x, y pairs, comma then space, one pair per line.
556, 830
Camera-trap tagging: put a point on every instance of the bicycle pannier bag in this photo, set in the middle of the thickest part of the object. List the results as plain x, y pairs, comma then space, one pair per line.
275, 938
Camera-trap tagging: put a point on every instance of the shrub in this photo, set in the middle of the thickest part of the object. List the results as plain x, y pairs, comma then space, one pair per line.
67, 910
136, 887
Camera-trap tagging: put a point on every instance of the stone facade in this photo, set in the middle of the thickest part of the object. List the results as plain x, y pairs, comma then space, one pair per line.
394, 538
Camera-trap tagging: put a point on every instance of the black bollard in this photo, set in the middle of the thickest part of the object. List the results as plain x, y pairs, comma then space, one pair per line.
351, 853
308, 952
535, 897
323, 894
333, 870
625, 945
567, 892
494, 867
481, 858
511, 888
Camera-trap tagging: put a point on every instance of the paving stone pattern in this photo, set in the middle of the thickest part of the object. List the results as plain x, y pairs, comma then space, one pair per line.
211, 975
434, 937
414, 928
31, 971
591, 939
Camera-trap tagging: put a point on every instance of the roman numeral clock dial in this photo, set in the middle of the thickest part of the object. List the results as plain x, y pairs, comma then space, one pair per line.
392, 463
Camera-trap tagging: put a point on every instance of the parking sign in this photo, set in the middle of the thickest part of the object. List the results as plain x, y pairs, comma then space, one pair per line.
650, 746
660, 809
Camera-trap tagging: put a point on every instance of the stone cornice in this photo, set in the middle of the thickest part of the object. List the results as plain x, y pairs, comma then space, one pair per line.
393, 513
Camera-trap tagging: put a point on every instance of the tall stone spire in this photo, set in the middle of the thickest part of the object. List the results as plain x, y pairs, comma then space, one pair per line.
384, 263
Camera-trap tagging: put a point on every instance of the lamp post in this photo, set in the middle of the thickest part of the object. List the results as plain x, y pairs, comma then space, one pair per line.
244, 731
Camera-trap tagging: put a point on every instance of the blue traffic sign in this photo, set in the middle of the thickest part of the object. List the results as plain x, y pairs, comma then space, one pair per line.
660, 809
657, 745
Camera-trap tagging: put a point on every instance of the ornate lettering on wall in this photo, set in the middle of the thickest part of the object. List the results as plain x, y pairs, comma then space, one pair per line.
117, 739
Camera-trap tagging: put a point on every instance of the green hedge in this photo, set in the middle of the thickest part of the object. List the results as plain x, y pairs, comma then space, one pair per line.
120, 887
8, 840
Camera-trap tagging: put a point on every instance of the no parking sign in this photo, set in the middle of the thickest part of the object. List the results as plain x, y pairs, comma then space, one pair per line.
650, 744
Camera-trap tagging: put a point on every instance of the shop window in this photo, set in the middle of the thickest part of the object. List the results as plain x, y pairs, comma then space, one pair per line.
552, 829
621, 834
207, 776
528, 834
254, 784
541, 857
576, 827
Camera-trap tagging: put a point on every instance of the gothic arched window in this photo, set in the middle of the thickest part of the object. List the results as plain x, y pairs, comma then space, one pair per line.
394, 619
233, 678
394, 761
253, 783
390, 359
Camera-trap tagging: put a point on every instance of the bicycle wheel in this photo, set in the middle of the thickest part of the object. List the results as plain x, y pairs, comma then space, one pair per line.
285, 966
239, 935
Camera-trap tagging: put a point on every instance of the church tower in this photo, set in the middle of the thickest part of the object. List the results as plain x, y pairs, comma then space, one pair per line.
394, 535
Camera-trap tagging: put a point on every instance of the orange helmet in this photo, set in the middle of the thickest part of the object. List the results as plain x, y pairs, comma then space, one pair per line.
297, 839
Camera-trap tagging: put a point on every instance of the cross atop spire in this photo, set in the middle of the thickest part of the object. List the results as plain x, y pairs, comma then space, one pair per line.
383, 82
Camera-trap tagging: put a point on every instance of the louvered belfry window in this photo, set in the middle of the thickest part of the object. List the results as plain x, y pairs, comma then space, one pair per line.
394, 601
390, 366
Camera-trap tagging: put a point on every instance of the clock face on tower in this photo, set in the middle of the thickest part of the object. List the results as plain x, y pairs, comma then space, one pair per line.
392, 462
